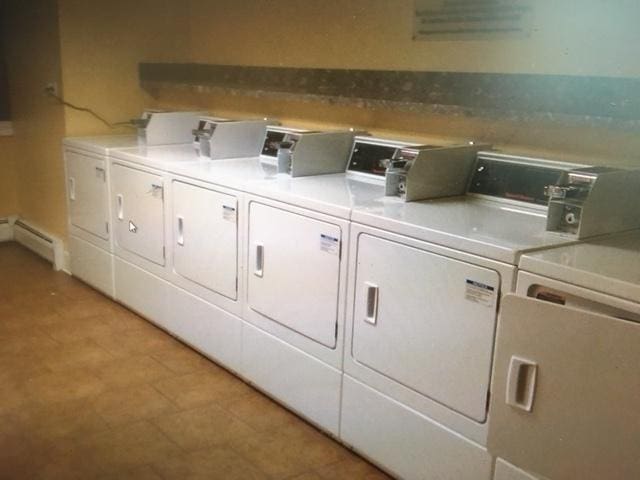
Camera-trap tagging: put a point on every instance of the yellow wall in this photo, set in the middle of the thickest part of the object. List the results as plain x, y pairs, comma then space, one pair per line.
599, 38
102, 42
8, 177
590, 37
33, 60
92, 49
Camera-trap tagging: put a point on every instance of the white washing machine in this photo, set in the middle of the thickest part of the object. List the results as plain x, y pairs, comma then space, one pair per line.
294, 330
177, 241
292, 340
187, 231
566, 383
90, 229
88, 179
138, 196
426, 282
143, 196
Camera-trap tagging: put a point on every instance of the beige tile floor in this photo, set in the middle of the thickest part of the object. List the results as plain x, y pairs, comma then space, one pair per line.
91, 390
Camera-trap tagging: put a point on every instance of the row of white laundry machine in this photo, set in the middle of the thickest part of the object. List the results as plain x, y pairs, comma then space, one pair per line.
448, 311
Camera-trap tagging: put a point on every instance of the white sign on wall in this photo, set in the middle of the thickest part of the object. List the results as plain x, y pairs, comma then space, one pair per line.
472, 19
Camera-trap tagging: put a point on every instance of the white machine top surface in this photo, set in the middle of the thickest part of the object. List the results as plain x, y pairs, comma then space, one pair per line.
491, 229
334, 194
102, 144
158, 157
608, 264
232, 173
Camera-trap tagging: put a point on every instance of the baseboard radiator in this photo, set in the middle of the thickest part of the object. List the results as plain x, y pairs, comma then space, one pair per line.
35, 239
6, 229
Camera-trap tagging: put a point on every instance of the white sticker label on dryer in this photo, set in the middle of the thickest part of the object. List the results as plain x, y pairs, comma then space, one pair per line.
229, 213
329, 244
480, 293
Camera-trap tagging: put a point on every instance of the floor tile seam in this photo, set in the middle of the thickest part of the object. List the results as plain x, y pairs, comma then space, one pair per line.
167, 366
138, 356
226, 443
172, 402
268, 430
114, 427
196, 370
155, 470
182, 449
317, 469
272, 477
227, 446
209, 404
240, 454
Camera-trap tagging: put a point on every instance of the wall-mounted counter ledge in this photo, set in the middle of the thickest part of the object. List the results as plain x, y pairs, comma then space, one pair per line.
615, 98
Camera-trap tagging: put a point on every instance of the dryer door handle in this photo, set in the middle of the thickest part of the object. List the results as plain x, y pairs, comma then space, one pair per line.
259, 269
72, 189
521, 383
120, 205
372, 303
180, 230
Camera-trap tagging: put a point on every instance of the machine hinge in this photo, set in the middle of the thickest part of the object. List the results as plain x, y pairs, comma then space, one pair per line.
336, 331
164, 254
106, 226
488, 399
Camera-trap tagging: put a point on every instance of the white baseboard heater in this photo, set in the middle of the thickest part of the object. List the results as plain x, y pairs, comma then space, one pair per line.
6, 230
35, 239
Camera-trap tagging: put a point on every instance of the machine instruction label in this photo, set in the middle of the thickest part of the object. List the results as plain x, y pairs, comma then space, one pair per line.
329, 244
229, 213
481, 293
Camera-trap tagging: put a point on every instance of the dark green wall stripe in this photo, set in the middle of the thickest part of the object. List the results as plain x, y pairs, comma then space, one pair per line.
554, 94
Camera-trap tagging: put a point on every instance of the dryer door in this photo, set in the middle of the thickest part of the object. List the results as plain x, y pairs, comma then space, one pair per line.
139, 212
87, 193
566, 391
294, 271
205, 238
426, 321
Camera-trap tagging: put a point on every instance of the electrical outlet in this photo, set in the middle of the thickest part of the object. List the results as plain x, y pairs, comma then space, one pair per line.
51, 88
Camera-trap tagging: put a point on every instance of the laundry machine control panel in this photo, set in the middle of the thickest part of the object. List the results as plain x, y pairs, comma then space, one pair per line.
307, 153
413, 171
515, 178
157, 127
427, 171
374, 155
594, 201
217, 138
277, 135
580, 201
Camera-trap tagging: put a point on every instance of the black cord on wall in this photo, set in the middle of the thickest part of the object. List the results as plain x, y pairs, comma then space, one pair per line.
50, 92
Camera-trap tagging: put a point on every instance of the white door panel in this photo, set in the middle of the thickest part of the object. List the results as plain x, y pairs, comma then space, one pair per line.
426, 321
206, 237
87, 192
139, 212
294, 271
566, 390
